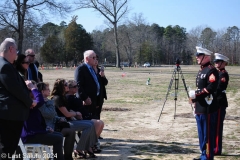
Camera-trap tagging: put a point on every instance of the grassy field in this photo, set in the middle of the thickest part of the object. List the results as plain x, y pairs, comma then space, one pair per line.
131, 114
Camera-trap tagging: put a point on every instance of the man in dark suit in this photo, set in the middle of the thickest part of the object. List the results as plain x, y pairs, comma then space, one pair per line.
87, 81
32, 69
14, 99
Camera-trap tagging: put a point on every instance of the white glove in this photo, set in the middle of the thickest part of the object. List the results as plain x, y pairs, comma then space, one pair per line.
194, 112
209, 99
192, 94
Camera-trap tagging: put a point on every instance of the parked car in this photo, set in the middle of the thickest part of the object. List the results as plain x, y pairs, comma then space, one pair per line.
147, 64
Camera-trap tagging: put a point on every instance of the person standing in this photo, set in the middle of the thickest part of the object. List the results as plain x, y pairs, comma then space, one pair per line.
87, 82
102, 82
220, 62
205, 103
21, 64
32, 69
40, 76
15, 101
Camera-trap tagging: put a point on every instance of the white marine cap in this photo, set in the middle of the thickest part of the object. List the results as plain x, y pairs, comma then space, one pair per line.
220, 57
203, 51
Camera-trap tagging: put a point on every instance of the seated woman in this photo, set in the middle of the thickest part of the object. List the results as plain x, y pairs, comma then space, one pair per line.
35, 129
50, 115
76, 104
88, 136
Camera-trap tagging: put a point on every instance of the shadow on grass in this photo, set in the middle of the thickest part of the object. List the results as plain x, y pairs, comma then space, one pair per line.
147, 149
143, 149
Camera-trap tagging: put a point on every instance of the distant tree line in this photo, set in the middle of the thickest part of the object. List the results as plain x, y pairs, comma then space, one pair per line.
139, 42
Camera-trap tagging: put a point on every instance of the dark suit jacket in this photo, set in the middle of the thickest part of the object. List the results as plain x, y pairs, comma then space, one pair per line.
14, 95
103, 94
86, 85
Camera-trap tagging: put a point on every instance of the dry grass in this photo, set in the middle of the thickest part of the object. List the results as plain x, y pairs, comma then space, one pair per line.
135, 133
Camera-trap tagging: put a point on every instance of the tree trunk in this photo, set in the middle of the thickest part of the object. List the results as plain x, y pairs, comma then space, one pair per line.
116, 46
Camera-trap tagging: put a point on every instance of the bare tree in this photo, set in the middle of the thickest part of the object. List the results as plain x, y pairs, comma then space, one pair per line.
15, 14
112, 10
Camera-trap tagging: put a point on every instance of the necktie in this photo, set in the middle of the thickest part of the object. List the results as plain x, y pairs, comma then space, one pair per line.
95, 79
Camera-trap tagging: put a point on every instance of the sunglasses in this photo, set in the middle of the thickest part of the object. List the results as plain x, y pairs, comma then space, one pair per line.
93, 57
73, 86
65, 84
25, 62
31, 55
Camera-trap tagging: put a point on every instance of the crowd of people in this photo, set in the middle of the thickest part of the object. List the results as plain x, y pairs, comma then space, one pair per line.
31, 111
210, 102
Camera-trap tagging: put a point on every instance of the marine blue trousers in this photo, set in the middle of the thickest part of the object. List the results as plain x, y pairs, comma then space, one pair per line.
206, 136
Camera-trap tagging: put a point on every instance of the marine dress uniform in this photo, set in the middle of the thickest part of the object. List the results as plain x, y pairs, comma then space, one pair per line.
221, 98
206, 105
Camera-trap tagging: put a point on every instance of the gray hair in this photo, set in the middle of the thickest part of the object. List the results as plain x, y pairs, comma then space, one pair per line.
87, 53
6, 44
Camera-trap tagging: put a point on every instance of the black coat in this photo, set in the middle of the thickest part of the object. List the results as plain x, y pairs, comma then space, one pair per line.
86, 86
14, 94
222, 86
206, 83
103, 94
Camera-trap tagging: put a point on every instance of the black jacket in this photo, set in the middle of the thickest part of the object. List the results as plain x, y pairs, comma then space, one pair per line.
222, 86
86, 85
206, 83
103, 94
15, 99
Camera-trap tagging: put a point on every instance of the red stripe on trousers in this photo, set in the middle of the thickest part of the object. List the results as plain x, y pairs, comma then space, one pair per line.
208, 137
217, 131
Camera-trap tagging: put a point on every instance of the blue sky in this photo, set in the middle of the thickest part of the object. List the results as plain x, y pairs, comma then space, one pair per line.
217, 14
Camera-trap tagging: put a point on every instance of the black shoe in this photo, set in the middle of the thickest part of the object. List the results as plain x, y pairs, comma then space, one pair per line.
217, 154
80, 154
100, 137
91, 154
96, 150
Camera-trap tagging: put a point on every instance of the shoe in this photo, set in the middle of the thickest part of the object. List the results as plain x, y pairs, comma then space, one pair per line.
100, 137
80, 154
95, 149
217, 154
91, 154
197, 158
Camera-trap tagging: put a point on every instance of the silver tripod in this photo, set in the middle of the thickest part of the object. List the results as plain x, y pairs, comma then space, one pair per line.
175, 77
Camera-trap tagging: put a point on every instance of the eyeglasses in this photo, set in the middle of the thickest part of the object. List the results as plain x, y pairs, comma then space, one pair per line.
25, 62
93, 57
73, 86
31, 55
65, 84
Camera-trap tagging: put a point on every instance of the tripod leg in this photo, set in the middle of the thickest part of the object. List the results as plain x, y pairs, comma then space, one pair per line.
176, 91
185, 86
169, 88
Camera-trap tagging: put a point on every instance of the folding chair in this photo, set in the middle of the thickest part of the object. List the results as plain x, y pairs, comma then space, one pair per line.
35, 151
